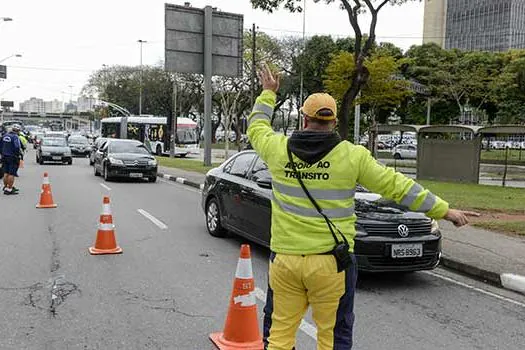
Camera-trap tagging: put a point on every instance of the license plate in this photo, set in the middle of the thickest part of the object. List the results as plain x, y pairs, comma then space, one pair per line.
57, 158
407, 250
135, 175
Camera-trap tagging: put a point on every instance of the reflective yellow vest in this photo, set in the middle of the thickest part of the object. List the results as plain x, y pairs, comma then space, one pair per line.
297, 228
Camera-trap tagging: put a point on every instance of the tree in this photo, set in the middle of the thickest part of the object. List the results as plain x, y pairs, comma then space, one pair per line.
362, 48
383, 91
120, 85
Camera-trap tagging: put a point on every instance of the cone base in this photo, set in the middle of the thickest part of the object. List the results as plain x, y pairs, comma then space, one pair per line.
46, 206
96, 251
223, 344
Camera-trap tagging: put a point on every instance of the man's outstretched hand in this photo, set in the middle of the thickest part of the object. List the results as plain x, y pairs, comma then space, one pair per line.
269, 80
459, 217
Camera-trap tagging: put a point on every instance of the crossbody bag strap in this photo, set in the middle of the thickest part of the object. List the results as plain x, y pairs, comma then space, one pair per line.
329, 222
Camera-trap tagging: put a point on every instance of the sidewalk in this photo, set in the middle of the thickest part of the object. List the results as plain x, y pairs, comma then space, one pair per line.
483, 254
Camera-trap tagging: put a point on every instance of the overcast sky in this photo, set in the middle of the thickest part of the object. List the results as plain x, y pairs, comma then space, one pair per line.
63, 41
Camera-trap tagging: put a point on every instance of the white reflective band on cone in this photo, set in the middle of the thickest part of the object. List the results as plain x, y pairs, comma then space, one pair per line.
106, 227
45, 181
244, 269
245, 299
106, 209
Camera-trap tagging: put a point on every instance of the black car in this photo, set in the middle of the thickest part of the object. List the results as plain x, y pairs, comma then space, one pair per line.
125, 159
53, 149
237, 197
79, 145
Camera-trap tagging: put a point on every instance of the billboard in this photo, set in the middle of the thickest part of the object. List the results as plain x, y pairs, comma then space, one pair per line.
3, 72
9, 104
185, 36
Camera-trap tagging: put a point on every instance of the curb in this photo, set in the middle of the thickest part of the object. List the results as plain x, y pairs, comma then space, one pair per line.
508, 281
180, 180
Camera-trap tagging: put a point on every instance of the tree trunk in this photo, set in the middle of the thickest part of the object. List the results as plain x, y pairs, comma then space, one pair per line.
372, 134
359, 78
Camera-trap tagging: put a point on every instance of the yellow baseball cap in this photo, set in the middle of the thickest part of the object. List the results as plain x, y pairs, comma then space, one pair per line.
318, 102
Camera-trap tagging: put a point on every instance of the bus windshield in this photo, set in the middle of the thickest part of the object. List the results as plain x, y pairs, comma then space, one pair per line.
187, 136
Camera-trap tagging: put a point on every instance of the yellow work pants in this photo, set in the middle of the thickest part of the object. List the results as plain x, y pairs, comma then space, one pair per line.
296, 282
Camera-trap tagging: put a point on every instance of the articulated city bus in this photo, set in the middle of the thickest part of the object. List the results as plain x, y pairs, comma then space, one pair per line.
154, 132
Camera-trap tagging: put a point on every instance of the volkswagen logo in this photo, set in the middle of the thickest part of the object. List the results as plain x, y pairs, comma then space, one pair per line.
403, 230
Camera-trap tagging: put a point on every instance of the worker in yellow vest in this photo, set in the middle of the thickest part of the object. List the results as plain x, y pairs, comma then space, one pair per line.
314, 176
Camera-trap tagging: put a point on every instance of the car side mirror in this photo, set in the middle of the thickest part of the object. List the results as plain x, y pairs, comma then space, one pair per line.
265, 183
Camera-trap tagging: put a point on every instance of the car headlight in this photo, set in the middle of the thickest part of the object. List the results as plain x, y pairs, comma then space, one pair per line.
435, 226
152, 162
116, 161
46, 153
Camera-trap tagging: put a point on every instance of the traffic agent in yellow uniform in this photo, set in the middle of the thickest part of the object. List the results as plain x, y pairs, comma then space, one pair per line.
311, 225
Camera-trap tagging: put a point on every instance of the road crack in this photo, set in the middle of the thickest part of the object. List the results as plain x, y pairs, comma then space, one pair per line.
164, 304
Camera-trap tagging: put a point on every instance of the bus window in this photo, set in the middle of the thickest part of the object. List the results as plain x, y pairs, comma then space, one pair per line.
156, 132
135, 132
111, 130
187, 136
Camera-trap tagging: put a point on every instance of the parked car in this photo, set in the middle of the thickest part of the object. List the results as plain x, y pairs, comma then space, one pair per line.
125, 159
95, 147
405, 152
79, 145
237, 198
53, 149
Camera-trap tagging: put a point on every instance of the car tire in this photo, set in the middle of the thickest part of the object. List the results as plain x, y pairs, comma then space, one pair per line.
152, 179
70, 162
41, 161
397, 156
95, 171
105, 173
158, 150
213, 219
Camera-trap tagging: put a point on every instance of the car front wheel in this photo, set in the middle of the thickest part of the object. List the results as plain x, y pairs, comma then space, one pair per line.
397, 156
106, 173
213, 219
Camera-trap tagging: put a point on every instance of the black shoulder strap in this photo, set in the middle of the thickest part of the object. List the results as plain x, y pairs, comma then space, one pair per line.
329, 222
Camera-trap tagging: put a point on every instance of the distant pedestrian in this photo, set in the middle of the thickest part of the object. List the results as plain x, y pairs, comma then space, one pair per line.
10, 148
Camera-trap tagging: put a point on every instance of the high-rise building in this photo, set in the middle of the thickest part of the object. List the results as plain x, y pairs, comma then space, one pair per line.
38, 105
488, 25
34, 105
85, 104
54, 106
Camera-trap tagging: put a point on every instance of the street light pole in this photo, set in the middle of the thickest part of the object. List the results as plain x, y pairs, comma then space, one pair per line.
140, 41
8, 57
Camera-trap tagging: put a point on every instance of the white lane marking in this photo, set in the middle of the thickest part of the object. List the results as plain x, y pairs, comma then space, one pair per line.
180, 180
186, 187
306, 327
166, 176
106, 187
479, 290
153, 219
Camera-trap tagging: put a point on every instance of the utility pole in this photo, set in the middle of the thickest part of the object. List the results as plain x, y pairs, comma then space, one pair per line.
254, 48
300, 116
208, 13
141, 75
357, 121
173, 138
429, 102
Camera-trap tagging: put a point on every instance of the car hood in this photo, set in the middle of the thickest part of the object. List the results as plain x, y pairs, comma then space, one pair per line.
385, 211
131, 156
55, 149
78, 145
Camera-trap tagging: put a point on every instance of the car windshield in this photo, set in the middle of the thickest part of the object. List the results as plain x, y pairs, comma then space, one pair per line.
127, 147
54, 142
78, 140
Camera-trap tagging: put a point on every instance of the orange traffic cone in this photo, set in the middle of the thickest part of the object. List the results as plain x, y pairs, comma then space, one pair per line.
106, 242
241, 330
46, 198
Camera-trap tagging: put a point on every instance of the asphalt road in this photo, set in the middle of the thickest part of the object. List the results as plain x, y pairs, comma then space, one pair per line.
170, 288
